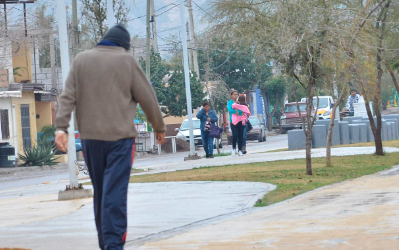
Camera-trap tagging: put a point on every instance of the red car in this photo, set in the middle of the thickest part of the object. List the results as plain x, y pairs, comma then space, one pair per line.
290, 118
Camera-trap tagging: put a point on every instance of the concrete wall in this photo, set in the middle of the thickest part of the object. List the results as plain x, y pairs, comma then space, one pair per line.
4, 78
28, 97
21, 57
6, 57
43, 110
43, 75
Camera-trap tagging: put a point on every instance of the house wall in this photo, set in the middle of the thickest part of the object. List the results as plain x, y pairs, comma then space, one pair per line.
5, 103
22, 58
28, 97
43, 110
44, 75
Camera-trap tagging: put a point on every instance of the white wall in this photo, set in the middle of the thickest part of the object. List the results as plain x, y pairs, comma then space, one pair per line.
5, 103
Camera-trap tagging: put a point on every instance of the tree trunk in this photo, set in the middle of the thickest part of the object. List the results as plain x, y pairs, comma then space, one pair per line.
308, 134
267, 111
307, 130
248, 95
377, 96
395, 81
269, 123
330, 128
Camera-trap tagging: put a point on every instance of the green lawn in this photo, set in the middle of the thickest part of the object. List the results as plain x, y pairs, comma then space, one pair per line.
288, 175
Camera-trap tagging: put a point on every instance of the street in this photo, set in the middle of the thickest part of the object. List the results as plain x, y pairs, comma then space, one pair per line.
9, 178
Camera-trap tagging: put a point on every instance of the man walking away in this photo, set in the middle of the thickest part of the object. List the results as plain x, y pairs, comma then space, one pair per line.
105, 85
353, 98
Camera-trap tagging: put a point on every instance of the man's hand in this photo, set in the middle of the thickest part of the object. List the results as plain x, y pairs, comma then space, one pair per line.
61, 141
209, 119
160, 138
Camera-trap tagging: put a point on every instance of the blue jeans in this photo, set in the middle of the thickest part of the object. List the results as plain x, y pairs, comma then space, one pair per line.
109, 164
207, 142
352, 113
244, 139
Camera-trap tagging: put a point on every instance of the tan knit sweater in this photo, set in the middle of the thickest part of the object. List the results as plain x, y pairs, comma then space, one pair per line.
105, 85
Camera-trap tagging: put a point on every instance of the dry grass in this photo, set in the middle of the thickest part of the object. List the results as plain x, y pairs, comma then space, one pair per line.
394, 144
288, 175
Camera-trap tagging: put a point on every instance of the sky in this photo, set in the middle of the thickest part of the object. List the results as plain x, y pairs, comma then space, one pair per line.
167, 16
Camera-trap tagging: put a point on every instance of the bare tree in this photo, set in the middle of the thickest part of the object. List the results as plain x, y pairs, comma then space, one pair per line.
95, 15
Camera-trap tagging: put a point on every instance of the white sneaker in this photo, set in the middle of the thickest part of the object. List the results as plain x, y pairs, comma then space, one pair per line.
233, 152
240, 153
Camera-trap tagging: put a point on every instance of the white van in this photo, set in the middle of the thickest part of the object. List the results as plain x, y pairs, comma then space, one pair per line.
326, 103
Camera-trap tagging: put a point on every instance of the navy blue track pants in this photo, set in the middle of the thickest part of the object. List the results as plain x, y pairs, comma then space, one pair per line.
109, 164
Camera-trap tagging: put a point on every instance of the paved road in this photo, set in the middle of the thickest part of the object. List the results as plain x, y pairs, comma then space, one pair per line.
38, 175
272, 143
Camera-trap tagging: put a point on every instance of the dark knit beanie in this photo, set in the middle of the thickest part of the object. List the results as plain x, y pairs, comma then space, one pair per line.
119, 35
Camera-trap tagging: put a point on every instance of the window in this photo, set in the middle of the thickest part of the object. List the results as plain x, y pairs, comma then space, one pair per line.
294, 108
196, 125
323, 102
5, 131
253, 121
25, 123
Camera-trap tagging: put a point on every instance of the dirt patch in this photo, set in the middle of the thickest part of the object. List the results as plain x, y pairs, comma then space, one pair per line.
273, 132
181, 146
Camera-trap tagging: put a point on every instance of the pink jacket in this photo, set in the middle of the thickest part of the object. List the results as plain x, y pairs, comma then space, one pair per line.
236, 118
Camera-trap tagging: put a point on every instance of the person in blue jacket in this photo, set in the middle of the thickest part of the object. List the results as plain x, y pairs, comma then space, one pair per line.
207, 116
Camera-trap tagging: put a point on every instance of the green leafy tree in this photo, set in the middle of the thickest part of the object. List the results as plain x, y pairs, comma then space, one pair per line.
159, 69
238, 65
174, 94
274, 91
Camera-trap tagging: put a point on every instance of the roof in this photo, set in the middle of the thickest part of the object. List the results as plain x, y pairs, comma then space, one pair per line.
16, 1
32, 86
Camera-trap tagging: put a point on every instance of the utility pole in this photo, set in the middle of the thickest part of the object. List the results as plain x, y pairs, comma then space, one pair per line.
110, 13
148, 58
190, 58
75, 27
193, 41
63, 36
154, 28
187, 82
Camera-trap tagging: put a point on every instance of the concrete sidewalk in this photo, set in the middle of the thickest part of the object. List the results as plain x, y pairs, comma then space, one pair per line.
36, 220
32, 217
356, 214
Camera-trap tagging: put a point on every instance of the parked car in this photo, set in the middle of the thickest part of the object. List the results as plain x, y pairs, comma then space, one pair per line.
78, 143
258, 131
290, 118
184, 133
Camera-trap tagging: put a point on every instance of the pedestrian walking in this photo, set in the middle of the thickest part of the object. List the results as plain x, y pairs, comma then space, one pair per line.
105, 85
244, 140
207, 116
234, 129
240, 121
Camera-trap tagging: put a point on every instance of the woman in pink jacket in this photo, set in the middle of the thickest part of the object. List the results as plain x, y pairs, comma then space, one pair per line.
239, 121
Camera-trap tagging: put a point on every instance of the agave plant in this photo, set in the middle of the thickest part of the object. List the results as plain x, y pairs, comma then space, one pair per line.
39, 155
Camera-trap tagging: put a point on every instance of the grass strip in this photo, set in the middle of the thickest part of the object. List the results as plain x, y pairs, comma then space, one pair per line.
394, 144
288, 175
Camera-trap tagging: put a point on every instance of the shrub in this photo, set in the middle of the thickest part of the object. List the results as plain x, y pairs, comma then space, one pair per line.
40, 155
